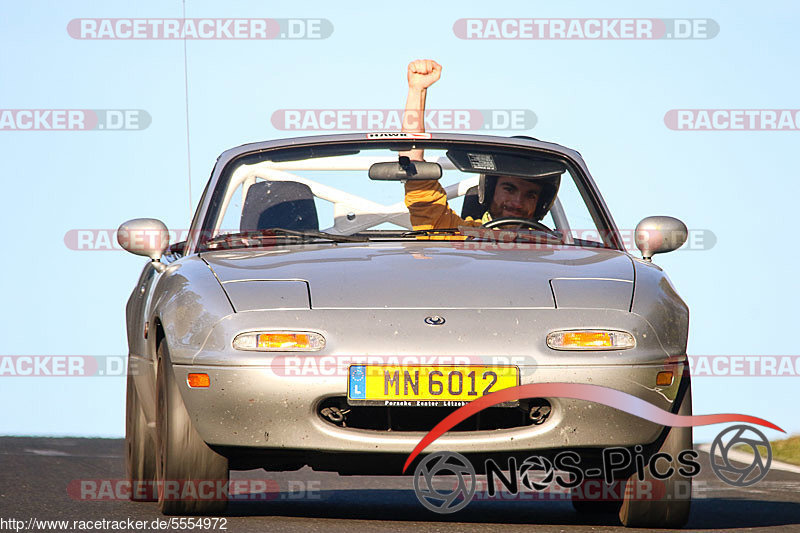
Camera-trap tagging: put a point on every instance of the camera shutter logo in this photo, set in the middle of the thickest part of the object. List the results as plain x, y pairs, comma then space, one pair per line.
447, 498
737, 475
536, 473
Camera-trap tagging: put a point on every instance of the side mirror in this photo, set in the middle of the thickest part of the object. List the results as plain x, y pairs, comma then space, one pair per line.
144, 236
658, 235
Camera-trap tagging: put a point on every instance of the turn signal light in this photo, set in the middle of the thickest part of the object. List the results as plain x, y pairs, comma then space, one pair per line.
198, 380
664, 378
590, 339
279, 341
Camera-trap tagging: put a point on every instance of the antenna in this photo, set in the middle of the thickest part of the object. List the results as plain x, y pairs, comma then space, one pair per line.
186, 94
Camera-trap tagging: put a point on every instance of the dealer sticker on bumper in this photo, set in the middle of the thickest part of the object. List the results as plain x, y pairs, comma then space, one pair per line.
426, 386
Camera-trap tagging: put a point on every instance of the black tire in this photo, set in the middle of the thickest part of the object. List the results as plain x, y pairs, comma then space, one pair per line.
672, 510
140, 449
183, 457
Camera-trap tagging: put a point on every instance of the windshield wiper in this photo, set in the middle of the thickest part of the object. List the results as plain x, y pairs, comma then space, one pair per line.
519, 235
478, 233
429, 232
262, 237
316, 234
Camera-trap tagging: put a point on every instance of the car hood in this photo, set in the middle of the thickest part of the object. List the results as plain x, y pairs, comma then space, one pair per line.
426, 275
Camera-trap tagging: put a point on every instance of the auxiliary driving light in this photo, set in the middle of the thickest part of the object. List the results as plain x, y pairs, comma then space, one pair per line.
279, 341
590, 339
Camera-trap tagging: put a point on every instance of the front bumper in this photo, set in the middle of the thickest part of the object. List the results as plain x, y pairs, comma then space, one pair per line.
254, 407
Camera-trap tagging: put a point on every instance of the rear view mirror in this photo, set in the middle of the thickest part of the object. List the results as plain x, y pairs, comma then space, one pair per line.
405, 169
658, 235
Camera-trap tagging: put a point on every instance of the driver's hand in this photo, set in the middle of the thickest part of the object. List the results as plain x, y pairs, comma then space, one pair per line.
422, 73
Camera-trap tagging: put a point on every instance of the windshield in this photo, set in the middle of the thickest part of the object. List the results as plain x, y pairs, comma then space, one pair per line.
482, 194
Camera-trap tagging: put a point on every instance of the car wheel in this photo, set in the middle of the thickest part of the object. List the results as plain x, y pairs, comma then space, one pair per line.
140, 449
671, 498
192, 478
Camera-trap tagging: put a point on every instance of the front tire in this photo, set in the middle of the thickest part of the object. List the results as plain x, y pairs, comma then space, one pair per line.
185, 463
140, 449
671, 509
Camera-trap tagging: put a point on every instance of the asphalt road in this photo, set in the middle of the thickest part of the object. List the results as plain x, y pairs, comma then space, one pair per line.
60, 479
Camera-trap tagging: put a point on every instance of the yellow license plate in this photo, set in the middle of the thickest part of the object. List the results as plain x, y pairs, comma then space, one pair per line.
426, 386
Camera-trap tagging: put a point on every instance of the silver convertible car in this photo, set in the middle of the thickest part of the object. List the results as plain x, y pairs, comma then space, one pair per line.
337, 296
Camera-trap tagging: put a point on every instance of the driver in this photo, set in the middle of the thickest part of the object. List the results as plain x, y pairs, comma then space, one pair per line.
501, 196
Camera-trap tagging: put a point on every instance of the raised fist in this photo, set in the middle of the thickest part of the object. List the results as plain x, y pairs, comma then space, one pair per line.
422, 73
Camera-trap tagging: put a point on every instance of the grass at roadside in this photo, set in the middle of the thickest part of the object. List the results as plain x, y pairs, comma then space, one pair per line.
786, 450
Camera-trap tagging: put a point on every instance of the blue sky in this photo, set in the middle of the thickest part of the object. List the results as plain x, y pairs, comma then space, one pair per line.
606, 98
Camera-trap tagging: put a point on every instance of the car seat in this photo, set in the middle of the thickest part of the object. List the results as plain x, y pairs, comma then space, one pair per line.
471, 207
279, 204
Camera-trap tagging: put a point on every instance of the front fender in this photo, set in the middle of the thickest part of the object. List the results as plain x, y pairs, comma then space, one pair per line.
657, 302
188, 301
135, 314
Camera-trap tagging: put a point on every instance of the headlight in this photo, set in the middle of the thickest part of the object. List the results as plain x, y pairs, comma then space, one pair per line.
590, 339
279, 341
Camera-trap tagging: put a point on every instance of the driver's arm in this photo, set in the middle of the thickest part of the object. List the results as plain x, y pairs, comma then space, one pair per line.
426, 200
427, 204
421, 74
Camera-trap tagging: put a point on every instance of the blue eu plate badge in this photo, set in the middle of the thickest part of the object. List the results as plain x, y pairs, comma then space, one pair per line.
358, 382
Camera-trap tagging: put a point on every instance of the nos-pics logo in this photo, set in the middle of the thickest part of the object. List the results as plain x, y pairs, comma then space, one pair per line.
445, 496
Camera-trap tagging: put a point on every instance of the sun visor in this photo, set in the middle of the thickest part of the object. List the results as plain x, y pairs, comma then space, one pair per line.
505, 164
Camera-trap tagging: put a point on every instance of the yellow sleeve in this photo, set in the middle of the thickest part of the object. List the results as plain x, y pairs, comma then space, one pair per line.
427, 204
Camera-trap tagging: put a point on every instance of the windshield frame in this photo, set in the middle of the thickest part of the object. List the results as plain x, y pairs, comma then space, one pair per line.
209, 211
